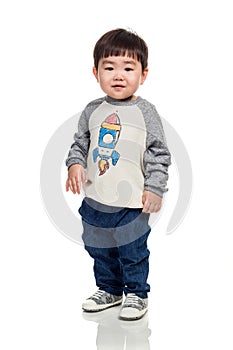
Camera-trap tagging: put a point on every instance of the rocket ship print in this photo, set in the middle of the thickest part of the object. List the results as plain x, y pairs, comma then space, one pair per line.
108, 136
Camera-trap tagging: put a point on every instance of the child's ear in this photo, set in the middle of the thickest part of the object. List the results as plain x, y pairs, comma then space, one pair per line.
95, 72
144, 75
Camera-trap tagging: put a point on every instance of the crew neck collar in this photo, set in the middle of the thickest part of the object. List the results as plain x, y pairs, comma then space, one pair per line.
122, 102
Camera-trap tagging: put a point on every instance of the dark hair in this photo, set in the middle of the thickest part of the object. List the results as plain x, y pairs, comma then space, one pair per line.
119, 42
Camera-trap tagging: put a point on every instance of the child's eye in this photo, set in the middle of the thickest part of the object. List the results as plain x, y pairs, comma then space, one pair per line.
109, 68
128, 69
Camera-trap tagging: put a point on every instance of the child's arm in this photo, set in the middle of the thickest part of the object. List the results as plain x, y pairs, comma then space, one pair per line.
77, 156
151, 202
79, 149
76, 177
157, 159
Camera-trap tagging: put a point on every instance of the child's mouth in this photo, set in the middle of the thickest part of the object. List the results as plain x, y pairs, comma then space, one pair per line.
118, 86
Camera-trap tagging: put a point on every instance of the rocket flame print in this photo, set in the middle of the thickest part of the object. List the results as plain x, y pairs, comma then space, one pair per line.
108, 137
103, 166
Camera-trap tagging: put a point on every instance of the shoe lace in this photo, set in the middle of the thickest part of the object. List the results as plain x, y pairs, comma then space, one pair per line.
131, 299
98, 294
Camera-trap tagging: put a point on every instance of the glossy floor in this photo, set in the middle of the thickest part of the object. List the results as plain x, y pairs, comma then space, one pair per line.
112, 333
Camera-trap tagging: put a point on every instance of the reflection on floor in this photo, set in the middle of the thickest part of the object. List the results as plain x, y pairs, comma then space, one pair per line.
116, 334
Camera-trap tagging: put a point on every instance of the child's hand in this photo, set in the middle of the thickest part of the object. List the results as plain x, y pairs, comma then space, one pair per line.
151, 202
76, 177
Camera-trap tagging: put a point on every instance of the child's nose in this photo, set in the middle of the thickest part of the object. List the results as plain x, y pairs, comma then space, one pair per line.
119, 75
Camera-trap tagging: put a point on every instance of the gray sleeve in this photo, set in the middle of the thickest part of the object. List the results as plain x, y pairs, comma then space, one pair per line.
157, 157
79, 149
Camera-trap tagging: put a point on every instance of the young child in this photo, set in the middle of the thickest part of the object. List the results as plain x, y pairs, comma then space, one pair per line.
120, 159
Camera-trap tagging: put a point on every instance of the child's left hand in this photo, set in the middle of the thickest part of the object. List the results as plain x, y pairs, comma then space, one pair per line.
151, 202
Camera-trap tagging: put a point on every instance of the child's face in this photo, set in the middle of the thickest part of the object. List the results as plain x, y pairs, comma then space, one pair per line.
120, 76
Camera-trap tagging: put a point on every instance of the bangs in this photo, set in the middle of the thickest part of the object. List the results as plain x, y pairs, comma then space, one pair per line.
122, 52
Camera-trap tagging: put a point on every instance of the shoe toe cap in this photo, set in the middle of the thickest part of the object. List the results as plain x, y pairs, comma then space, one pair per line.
89, 304
132, 313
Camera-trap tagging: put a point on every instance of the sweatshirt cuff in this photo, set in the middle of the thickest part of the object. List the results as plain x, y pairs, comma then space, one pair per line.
73, 161
155, 190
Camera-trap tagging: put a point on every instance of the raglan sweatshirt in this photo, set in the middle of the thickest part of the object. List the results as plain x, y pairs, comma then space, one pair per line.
122, 146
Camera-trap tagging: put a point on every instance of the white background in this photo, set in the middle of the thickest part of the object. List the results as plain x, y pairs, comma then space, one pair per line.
46, 62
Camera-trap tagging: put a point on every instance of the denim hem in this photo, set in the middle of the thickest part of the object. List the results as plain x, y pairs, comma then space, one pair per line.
111, 291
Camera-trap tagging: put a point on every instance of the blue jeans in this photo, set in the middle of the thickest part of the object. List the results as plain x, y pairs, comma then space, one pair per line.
116, 238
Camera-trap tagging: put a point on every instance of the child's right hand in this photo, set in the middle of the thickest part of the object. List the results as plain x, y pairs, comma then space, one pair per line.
76, 177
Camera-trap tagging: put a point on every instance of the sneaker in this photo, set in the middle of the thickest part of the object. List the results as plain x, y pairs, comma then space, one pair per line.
101, 300
134, 307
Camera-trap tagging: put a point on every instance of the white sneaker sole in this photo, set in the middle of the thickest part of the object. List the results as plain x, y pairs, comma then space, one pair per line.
91, 306
130, 314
